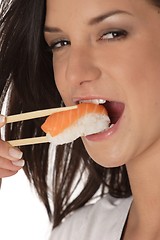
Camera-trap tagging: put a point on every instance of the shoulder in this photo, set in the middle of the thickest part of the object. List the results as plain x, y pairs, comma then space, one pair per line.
95, 220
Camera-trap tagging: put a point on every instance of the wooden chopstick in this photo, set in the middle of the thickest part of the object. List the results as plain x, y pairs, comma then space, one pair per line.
28, 141
36, 114
32, 115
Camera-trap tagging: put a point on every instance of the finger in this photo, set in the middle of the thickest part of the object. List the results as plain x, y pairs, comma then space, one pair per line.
9, 168
11, 165
2, 120
9, 152
6, 173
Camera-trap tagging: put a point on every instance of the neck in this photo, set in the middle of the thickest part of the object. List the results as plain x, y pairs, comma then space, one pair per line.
144, 175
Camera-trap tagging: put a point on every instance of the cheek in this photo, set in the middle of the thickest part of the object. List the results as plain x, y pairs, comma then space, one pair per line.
59, 75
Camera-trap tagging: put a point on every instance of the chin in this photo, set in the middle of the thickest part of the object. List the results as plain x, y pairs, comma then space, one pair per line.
108, 160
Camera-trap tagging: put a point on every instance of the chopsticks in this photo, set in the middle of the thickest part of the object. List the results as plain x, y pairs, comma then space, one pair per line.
28, 141
36, 114
32, 115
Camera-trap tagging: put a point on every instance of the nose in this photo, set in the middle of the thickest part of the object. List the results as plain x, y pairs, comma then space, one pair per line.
81, 67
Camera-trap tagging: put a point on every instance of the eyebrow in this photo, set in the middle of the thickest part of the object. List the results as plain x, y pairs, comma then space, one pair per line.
51, 29
92, 21
102, 17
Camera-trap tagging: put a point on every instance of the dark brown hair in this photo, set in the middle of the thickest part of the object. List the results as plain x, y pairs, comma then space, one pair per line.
26, 74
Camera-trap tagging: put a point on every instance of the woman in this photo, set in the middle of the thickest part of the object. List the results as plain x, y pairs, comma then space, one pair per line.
99, 49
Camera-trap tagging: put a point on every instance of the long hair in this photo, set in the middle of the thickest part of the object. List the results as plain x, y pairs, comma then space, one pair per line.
27, 79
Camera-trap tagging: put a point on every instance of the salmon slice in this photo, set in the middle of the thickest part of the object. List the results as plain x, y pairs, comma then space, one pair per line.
56, 123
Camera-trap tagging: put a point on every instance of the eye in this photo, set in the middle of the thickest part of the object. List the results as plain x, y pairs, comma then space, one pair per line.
59, 44
114, 35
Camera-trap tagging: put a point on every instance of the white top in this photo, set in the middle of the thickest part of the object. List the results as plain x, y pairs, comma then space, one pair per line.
102, 220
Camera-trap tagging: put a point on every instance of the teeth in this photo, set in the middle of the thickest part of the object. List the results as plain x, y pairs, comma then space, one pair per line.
95, 101
111, 125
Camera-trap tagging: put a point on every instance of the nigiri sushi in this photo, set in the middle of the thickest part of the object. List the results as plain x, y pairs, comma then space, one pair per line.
66, 126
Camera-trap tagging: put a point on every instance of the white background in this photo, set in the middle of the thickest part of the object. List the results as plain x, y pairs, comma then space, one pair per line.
22, 215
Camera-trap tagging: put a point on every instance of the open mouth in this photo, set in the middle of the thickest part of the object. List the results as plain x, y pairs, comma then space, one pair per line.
114, 109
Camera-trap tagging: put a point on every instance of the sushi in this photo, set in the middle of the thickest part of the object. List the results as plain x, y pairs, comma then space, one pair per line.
66, 126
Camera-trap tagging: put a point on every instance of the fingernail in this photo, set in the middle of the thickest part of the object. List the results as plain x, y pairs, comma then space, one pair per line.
2, 118
19, 163
15, 153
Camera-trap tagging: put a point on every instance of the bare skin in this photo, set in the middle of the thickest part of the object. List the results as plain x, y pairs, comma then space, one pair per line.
116, 57
10, 158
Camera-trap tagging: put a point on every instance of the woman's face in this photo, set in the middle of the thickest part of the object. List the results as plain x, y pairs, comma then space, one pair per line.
110, 50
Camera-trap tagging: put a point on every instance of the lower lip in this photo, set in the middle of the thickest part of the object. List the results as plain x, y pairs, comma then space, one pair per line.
104, 135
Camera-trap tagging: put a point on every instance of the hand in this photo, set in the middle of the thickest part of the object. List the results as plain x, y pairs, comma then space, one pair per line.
10, 158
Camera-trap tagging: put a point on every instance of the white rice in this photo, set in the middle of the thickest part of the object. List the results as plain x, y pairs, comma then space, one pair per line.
89, 124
